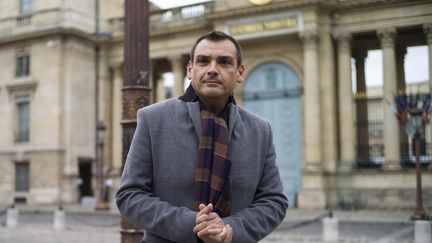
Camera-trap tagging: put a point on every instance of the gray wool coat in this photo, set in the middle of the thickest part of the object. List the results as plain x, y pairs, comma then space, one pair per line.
157, 185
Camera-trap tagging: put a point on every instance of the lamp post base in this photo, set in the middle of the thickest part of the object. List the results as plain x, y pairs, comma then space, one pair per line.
419, 214
101, 206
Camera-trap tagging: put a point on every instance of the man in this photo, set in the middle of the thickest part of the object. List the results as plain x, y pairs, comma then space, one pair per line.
200, 168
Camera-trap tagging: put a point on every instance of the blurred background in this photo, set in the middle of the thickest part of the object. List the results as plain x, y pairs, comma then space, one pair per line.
324, 73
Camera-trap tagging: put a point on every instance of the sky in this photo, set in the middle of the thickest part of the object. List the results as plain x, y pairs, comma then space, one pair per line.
416, 66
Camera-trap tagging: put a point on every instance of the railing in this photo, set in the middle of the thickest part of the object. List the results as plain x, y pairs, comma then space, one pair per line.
370, 137
168, 18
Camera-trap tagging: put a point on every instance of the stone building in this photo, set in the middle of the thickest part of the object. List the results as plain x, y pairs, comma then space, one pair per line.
305, 72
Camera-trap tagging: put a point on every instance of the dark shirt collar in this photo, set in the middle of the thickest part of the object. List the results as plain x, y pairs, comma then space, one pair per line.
191, 96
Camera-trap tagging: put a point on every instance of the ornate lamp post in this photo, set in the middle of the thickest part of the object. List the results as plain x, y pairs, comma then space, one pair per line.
414, 114
101, 204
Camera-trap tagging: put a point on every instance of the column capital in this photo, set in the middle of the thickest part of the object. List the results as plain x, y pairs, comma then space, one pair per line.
427, 29
344, 40
309, 37
360, 55
116, 65
387, 37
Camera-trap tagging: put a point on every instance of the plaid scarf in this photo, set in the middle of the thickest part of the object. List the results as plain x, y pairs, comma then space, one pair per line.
213, 168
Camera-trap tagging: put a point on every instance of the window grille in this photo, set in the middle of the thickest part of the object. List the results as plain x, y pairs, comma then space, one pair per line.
22, 64
22, 176
23, 119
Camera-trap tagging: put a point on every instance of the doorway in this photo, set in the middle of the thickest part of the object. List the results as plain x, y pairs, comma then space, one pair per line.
85, 178
272, 91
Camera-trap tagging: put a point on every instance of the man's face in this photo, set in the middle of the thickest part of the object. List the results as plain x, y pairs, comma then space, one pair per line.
214, 72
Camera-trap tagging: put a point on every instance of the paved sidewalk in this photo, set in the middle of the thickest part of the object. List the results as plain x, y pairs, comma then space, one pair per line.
84, 224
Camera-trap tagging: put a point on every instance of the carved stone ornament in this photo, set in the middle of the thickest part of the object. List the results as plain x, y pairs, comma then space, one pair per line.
387, 37
427, 29
309, 37
344, 41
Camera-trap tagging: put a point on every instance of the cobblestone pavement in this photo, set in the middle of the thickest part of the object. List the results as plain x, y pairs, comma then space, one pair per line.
299, 226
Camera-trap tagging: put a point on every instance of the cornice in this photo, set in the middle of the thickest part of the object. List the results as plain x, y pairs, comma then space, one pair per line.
355, 4
180, 29
50, 32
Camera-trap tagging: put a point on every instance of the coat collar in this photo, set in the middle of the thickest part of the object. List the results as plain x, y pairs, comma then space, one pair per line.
195, 115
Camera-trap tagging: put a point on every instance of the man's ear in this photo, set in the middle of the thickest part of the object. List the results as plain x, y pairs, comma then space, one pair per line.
241, 73
189, 70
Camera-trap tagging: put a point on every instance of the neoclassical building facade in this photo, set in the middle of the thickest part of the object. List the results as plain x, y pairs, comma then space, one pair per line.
337, 139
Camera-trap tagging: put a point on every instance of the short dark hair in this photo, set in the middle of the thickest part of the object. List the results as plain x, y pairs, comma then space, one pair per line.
218, 36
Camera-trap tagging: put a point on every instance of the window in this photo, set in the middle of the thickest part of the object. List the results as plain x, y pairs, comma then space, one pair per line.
26, 6
22, 64
22, 176
23, 118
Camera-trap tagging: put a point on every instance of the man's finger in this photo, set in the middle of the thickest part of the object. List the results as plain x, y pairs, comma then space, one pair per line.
229, 235
199, 227
201, 218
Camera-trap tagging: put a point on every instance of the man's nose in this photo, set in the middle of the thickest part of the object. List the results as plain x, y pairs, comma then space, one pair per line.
213, 69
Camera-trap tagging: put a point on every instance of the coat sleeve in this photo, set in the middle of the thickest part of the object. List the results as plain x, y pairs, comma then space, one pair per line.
268, 207
136, 199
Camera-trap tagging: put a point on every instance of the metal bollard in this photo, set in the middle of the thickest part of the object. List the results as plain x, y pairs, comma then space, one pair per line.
422, 231
59, 218
330, 230
12, 217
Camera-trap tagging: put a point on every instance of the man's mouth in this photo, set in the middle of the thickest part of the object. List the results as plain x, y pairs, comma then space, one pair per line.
212, 81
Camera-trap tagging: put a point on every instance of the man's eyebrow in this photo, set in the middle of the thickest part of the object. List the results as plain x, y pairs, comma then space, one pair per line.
226, 57
202, 56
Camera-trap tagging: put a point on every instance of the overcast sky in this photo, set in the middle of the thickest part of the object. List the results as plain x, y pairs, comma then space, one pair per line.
416, 66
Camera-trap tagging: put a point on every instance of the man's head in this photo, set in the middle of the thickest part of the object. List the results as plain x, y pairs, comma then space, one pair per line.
218, 36
215, 66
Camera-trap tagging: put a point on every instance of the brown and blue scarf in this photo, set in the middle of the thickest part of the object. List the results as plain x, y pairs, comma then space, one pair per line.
213, 168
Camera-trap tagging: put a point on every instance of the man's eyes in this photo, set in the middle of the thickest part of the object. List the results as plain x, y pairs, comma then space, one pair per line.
222, 61
202, 61
225, 62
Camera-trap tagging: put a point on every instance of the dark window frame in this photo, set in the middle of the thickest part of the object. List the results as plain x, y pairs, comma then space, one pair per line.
22, 63
26, 6
22, 176
22, 120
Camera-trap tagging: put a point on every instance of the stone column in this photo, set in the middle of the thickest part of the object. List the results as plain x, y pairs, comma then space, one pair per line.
312, 193
428, 31
160, 89
362, 107
401, 89
178, 69
328, 101
312, 114
427, 28
346, 118
346, 122
116, 141
391, 126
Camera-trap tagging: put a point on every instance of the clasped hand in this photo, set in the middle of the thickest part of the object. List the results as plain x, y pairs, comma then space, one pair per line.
210, 227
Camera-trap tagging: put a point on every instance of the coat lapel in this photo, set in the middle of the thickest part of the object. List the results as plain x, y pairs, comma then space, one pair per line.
233, 116
194, 114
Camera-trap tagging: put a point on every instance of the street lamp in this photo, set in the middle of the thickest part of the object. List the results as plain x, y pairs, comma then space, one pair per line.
101, 204
417, 122
413, 114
